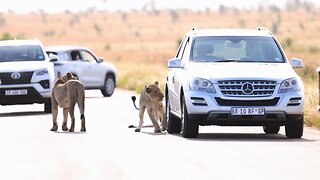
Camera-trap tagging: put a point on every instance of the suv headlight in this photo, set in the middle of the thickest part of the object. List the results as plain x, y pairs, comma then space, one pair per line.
291, 84
200, 84
42, 72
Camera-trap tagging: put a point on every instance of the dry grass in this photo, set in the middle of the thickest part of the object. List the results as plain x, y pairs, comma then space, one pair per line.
137, 76
140, 43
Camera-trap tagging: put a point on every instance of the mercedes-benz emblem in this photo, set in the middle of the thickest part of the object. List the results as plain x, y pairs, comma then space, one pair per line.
15, 75
247, 88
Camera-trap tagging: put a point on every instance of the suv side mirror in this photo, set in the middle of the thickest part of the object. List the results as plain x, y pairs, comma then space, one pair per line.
100, 60
175, 63
53, 58
296, 63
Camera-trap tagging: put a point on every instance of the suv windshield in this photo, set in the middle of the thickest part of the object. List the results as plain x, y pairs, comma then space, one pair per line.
21, 53
235, 49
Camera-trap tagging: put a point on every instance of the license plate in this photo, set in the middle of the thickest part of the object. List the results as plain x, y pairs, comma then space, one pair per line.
16, 92
247, 111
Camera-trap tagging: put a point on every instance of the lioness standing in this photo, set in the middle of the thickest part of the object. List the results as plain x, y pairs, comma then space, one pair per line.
151, 99
66, 92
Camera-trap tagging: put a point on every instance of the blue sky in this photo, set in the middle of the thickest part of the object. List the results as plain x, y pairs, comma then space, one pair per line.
52, 6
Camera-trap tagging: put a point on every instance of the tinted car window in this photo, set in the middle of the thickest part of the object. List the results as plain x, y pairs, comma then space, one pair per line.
88, 56
21, 53
253, 49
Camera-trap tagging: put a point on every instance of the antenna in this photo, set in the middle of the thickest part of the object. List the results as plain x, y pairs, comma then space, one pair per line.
264, 29
194, 28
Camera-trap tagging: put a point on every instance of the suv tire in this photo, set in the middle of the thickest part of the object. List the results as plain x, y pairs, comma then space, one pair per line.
190, 127
109, 85
271, 129
174, 123
294, 129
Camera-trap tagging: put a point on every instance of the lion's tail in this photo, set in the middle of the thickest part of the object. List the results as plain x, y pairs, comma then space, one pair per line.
134, 102
81, 96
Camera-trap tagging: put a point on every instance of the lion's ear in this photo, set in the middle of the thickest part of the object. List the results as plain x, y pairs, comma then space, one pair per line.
69, 75
60, 80
156, 83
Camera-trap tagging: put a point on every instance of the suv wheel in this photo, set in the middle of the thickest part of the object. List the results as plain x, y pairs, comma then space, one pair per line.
189, 128
271, 129
47, 106
174, 123
294, 129
109, 85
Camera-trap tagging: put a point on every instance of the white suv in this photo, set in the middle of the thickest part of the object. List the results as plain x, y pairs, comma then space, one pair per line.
233, 77
93, 72
26, 73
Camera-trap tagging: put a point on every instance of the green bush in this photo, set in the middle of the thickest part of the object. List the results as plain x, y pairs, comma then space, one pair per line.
6, 36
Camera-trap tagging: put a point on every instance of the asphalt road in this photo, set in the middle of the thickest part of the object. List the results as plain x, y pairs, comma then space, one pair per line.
110, 150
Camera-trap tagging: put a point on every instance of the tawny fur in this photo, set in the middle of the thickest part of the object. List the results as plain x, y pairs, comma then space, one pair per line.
66, 93
151, 99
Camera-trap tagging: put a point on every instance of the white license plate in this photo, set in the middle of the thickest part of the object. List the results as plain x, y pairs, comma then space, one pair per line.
16, 92
247, 111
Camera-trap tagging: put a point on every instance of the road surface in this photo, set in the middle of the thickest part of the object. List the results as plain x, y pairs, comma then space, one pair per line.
110, 150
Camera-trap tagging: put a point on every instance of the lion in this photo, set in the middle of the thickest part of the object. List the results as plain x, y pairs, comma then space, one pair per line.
66, 93
151, 99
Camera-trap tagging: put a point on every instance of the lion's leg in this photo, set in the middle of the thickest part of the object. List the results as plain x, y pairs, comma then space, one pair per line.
54, 108
141, 112
71, 112
83, 123
82, 117
81, 109
154, 121
163, 120
65, 119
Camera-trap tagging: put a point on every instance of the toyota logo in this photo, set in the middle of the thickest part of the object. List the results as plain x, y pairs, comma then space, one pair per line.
15, 75
247, 88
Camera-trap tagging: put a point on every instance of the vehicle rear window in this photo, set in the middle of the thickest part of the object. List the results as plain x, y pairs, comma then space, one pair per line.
21, 53
236, 48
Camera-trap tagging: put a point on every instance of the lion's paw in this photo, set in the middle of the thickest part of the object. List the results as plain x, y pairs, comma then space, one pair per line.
54, 128
64, 128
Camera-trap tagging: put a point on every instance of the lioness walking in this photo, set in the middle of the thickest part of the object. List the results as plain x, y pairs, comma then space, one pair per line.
66, 93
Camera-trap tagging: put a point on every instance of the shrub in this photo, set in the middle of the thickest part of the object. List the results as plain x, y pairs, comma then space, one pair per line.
287, 42
2, 21
174, 16
107, 47
6, 36
97, 28
314, 49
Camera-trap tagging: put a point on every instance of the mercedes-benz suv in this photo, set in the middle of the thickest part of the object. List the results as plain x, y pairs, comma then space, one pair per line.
233, 77
26, 73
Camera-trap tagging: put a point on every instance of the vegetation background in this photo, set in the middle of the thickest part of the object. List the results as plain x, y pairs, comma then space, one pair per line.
140, 43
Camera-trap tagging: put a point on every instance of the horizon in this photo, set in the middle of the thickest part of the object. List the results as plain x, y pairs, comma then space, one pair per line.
127, 5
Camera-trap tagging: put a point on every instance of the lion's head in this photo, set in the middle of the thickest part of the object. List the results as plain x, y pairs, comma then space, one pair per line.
154, 91
68, 76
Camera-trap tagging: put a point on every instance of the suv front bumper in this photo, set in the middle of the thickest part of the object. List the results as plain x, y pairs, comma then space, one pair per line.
215, 109
35, 94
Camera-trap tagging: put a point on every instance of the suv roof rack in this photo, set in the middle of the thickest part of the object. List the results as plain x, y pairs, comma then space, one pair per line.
264, 29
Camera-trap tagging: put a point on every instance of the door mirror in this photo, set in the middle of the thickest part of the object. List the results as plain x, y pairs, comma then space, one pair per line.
175, 63
100, 60
53, 57
296, 63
